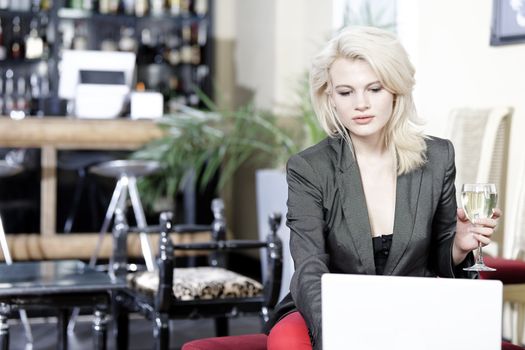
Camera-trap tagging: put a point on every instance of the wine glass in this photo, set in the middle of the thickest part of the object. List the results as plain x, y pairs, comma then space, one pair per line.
479, 202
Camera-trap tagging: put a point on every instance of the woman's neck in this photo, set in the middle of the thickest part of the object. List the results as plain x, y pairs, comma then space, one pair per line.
369, 146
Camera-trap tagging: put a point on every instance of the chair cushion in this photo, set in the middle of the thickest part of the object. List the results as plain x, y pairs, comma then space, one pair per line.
238, 342
192, 283
504, 346
508, 271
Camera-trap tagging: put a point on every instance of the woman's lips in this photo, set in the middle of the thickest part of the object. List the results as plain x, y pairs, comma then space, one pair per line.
364, 119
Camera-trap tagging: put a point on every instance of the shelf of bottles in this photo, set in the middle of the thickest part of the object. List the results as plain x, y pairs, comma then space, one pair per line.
24, 54
170, 39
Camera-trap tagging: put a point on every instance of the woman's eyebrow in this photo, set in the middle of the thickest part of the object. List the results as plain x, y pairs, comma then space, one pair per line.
351, 87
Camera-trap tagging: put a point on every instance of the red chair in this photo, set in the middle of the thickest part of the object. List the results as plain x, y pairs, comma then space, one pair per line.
258, 342
238, 342
511, 272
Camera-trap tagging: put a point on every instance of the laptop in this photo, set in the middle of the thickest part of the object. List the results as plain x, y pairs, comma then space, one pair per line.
362, 312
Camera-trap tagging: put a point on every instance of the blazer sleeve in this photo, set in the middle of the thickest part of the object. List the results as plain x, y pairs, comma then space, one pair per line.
307, 242
444, 224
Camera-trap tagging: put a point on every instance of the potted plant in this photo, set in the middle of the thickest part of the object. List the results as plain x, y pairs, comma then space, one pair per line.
210, 143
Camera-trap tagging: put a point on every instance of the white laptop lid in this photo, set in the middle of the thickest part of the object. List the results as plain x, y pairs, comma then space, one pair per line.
410, 313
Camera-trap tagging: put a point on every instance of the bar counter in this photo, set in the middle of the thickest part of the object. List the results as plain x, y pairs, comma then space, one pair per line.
65, 133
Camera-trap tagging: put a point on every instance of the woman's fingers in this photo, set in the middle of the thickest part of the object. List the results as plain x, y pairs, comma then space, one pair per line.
482, 239
496, 213
481, 230
486, 222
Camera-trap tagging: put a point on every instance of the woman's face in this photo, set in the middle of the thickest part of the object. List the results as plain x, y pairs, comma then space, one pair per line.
363, 105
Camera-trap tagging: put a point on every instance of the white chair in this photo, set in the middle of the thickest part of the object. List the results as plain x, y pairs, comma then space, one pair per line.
481, 140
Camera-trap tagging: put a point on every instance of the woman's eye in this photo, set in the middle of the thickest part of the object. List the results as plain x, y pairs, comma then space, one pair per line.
343, 93
376, 89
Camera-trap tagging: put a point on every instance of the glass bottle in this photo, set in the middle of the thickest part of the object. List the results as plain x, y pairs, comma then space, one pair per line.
35, 6
34, 43
45, 5
16, 48
21, 103
141, 8
1, 95
3, 51
174, 7
9, 102
80, 40
157, 7
185, 50
127, 40
200, 7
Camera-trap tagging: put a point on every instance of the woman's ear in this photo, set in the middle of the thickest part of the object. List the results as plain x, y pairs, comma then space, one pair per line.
330, 98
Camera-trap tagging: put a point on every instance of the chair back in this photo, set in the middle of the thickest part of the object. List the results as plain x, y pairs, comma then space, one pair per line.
481, 140
518, 239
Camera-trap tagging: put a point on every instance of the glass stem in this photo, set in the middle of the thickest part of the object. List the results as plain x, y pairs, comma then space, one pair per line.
479, 258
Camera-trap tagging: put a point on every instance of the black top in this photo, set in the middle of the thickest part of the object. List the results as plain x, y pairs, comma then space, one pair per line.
382, 246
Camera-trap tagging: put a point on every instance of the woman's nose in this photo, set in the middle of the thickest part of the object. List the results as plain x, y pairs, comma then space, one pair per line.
362, 103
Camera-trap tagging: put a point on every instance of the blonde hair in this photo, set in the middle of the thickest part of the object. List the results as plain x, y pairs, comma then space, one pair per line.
389, 61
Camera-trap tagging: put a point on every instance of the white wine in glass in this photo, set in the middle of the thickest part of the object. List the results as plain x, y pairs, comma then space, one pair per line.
479, 202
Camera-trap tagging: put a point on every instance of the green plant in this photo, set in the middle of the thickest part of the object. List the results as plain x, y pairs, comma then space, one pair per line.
313, 131
209, 142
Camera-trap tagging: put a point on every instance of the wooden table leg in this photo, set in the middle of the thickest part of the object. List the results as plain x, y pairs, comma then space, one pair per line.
48, 191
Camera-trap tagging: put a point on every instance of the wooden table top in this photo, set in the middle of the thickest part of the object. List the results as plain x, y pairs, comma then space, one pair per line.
74, 133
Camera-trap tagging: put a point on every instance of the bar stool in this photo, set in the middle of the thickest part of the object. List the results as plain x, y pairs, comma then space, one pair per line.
127, 172
80, 162
10, 169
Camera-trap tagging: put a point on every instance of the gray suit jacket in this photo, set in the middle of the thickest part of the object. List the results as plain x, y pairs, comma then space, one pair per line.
330, 229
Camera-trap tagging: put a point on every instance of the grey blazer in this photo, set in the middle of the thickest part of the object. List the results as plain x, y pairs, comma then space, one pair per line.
330, 229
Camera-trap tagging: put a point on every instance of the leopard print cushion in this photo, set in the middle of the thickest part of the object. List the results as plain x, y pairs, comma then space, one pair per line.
194, 283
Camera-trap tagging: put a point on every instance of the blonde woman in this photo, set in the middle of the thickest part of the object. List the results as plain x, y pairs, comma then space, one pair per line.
376, 196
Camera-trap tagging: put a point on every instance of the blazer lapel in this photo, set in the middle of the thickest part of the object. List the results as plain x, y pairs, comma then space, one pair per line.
407, 196
354, 205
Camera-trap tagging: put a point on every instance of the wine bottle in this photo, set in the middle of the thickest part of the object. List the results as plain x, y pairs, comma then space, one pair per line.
80, 40
9, 103
34, 43
172, 53
129, 7
185, 7
157, 7
1, 96
45, 5
174, 7
75, 4
87, 5
200, 7
3, 51
103, 6
35, 6
185, 50
141, 8
16, 48
127, 40
21, 103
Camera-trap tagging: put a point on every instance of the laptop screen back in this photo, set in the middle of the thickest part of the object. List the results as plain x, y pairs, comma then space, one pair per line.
410, 313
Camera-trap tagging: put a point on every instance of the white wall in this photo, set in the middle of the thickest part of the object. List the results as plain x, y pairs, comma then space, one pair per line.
275, 43
448, 41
